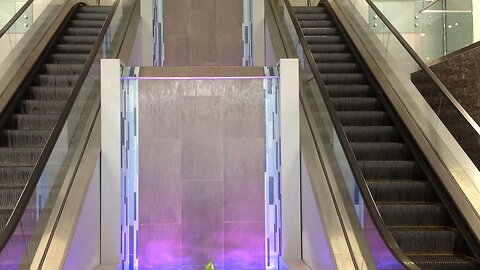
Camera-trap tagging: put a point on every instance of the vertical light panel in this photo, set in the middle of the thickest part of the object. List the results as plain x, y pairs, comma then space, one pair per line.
110, 161
272, 170
290, 159
247, 33
129, 169
158, 33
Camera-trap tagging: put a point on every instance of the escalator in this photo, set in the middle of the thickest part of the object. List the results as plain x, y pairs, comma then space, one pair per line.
419, 216
37, 112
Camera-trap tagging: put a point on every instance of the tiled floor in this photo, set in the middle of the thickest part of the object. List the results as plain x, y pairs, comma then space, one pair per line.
107, 267
296, 265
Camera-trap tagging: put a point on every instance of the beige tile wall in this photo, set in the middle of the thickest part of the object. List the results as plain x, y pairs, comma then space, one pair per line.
203, 33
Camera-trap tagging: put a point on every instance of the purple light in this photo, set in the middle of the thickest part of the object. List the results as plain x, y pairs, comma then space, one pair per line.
202, 78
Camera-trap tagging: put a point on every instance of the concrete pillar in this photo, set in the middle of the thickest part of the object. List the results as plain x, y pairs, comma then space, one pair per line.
290, 159
476, 20
110, 192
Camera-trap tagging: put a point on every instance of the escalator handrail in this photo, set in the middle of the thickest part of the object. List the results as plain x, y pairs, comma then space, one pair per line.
15, 17
22, 203
425, 68
357, 174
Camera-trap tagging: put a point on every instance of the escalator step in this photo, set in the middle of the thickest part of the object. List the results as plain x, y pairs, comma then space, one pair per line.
19, 156
95, 9
333, 57
427, 240
26, 138
14, 176
357, 104
343, 78
337, 67
57, 93
73, 48
91, 16
328, 48
351, 90
391, 170
331, 39
444, 262
364, 118
312, 16
413, 214
9, 197
64, 81
41, 106
311, 9
320, 31
312, 24
401, 190
59, 69
372, 134
381, 151
68, 58
35, 121
78, 31
77, 40
83, 23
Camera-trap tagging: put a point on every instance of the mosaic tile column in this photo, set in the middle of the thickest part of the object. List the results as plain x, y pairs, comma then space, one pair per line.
129, 170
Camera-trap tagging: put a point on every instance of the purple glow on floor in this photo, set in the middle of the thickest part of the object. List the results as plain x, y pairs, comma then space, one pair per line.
232, 255
202, 78
160, 254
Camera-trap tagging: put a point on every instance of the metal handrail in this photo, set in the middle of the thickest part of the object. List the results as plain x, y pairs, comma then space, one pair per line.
428, 6
19, 210
15, 17
425, 68
359, 178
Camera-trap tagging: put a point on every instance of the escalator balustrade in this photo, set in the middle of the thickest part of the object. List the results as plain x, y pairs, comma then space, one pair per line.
28, 127
406, 200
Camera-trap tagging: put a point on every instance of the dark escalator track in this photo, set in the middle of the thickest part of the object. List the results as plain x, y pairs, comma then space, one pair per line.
408, 196
28, 121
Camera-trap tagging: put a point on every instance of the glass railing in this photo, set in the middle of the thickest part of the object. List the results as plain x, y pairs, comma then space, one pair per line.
433, 28
22, 32
16, 18
324, 123
31, 236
